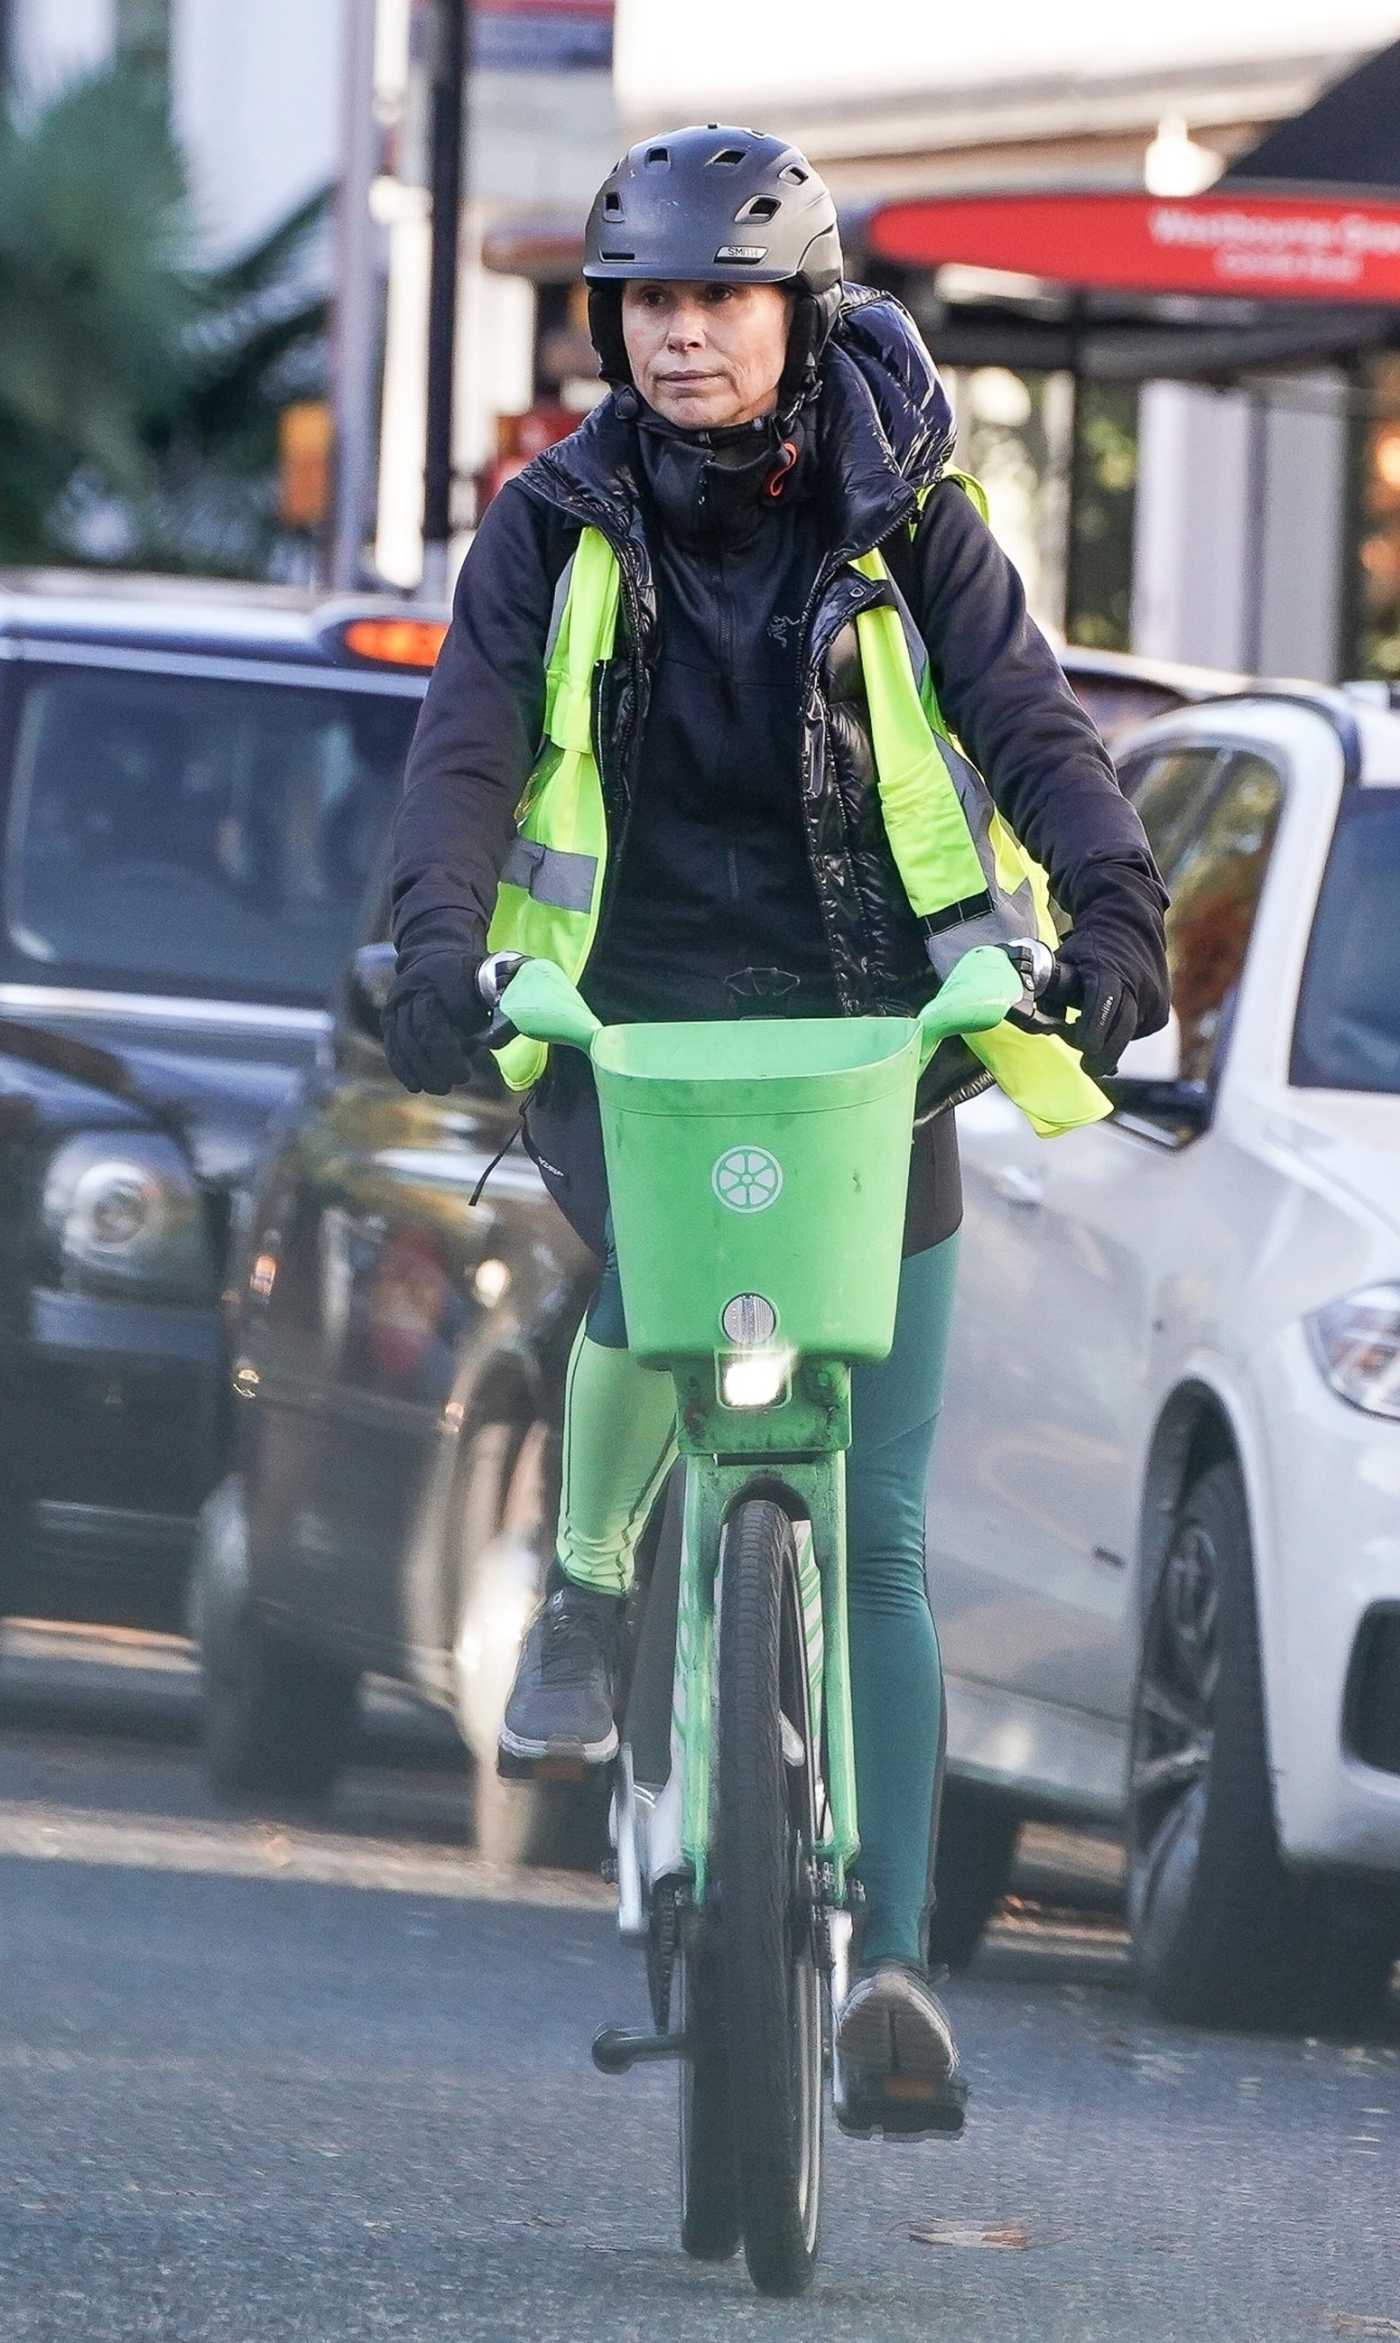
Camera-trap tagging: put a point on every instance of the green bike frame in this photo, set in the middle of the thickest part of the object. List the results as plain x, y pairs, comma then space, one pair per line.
757, 1173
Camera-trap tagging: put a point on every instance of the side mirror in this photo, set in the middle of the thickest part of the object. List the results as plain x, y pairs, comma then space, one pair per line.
1175, 1109
370, 975
1149, 1087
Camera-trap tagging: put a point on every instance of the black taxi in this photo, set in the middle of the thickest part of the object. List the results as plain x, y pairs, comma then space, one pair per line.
194, 784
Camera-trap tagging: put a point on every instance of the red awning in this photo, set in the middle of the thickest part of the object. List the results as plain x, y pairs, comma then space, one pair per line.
1255, 247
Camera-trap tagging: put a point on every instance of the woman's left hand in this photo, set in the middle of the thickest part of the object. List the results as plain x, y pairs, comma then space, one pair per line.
1116, 953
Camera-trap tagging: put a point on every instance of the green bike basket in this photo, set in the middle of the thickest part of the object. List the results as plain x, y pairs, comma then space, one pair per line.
761, 1159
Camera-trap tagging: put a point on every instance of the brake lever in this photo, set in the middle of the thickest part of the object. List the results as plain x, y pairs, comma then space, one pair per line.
1050, 986
492, 977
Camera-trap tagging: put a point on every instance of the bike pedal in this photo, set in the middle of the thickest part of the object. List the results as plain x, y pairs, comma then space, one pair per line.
899, 2110
510, 1768
897, 2123
616, 2048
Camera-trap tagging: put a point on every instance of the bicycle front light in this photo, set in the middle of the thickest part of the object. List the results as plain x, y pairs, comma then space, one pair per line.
1356, 1342
756, 1378
757, 1372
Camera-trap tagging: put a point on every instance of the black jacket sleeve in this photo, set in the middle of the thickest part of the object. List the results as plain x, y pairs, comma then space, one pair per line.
479, 727
1002, 692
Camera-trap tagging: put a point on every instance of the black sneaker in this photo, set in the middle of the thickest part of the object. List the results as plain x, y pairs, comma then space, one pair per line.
561, 1704
899, 2061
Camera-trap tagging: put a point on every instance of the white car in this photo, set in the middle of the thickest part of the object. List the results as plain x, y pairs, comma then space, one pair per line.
1164, 1513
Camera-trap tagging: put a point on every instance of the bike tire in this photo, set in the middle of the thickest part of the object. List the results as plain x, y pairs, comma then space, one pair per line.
710, 2224
770, 1980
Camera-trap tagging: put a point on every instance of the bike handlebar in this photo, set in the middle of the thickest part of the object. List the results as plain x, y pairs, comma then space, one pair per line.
1048, 987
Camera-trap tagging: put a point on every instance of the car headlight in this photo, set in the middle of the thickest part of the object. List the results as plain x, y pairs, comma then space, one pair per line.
1357, 1345
123, 1216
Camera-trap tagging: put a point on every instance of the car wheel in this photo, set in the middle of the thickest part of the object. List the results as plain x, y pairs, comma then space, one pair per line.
278, 1717
973, 1863
502, 1518
1223, 1934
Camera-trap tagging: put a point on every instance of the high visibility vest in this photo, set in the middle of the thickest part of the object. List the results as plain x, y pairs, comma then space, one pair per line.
965, 874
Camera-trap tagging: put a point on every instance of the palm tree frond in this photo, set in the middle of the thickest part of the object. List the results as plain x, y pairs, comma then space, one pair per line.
139, 389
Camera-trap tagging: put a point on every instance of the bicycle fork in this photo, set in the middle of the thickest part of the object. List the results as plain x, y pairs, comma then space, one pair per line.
663, 1837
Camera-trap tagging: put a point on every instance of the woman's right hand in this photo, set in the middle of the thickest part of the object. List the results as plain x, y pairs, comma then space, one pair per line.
434, 1018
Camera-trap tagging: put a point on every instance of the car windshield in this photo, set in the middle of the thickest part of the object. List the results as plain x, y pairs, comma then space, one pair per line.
184, 834
1347, 1035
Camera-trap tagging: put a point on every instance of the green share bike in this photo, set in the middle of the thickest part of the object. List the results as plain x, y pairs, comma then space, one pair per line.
757, 1173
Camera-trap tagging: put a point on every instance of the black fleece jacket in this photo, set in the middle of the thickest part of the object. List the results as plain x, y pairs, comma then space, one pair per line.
713, 905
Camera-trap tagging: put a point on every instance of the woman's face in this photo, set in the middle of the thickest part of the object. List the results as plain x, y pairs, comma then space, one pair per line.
706, 355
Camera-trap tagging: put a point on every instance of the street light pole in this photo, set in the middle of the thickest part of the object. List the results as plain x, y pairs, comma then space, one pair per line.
451, 51
354, 330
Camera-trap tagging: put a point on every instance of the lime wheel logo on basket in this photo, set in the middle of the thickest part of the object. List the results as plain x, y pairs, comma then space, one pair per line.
747, 1179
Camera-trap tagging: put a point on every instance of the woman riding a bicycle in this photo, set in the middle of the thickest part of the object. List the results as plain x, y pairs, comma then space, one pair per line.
768, 426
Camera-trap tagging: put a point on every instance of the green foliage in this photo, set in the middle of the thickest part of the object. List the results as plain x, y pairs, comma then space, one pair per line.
96, 295
257, 342
139, 391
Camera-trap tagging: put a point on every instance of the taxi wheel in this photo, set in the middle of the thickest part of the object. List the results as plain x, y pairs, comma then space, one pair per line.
278, 1718
975, 1858
504, 1497
1222, 1932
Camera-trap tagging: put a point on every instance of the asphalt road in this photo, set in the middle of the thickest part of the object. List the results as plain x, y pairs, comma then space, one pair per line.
266, 2084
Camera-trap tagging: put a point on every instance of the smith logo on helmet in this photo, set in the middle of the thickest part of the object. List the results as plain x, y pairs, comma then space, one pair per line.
742, 252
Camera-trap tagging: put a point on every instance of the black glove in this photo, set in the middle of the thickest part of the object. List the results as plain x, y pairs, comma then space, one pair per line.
434, 1017
1116, 956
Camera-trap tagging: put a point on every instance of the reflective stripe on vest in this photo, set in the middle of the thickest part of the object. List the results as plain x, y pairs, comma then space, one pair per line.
549, 875
964, 872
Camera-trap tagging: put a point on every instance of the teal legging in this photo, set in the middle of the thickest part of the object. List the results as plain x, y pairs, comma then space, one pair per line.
896, 1667
619, 1444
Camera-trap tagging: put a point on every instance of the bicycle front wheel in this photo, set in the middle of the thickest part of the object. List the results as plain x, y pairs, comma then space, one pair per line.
710, 2225
765, 1831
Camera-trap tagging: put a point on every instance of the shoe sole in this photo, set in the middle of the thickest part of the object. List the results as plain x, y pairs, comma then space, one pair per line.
897, 2080
532, 1753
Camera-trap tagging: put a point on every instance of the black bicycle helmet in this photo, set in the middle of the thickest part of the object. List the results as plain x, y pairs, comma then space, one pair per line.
716, 204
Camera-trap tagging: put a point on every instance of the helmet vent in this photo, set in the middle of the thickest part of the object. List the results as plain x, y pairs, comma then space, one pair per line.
728, 155
659, 155
793, 175
610, 254
759, 207
612, 204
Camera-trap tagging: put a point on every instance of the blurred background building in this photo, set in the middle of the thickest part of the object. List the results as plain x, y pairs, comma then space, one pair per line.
1175, 472
1215, 489
252, 91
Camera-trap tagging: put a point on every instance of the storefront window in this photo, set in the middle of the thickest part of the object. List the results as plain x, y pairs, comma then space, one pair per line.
1099, 584
1014, 433
1060, 469
1378, 553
